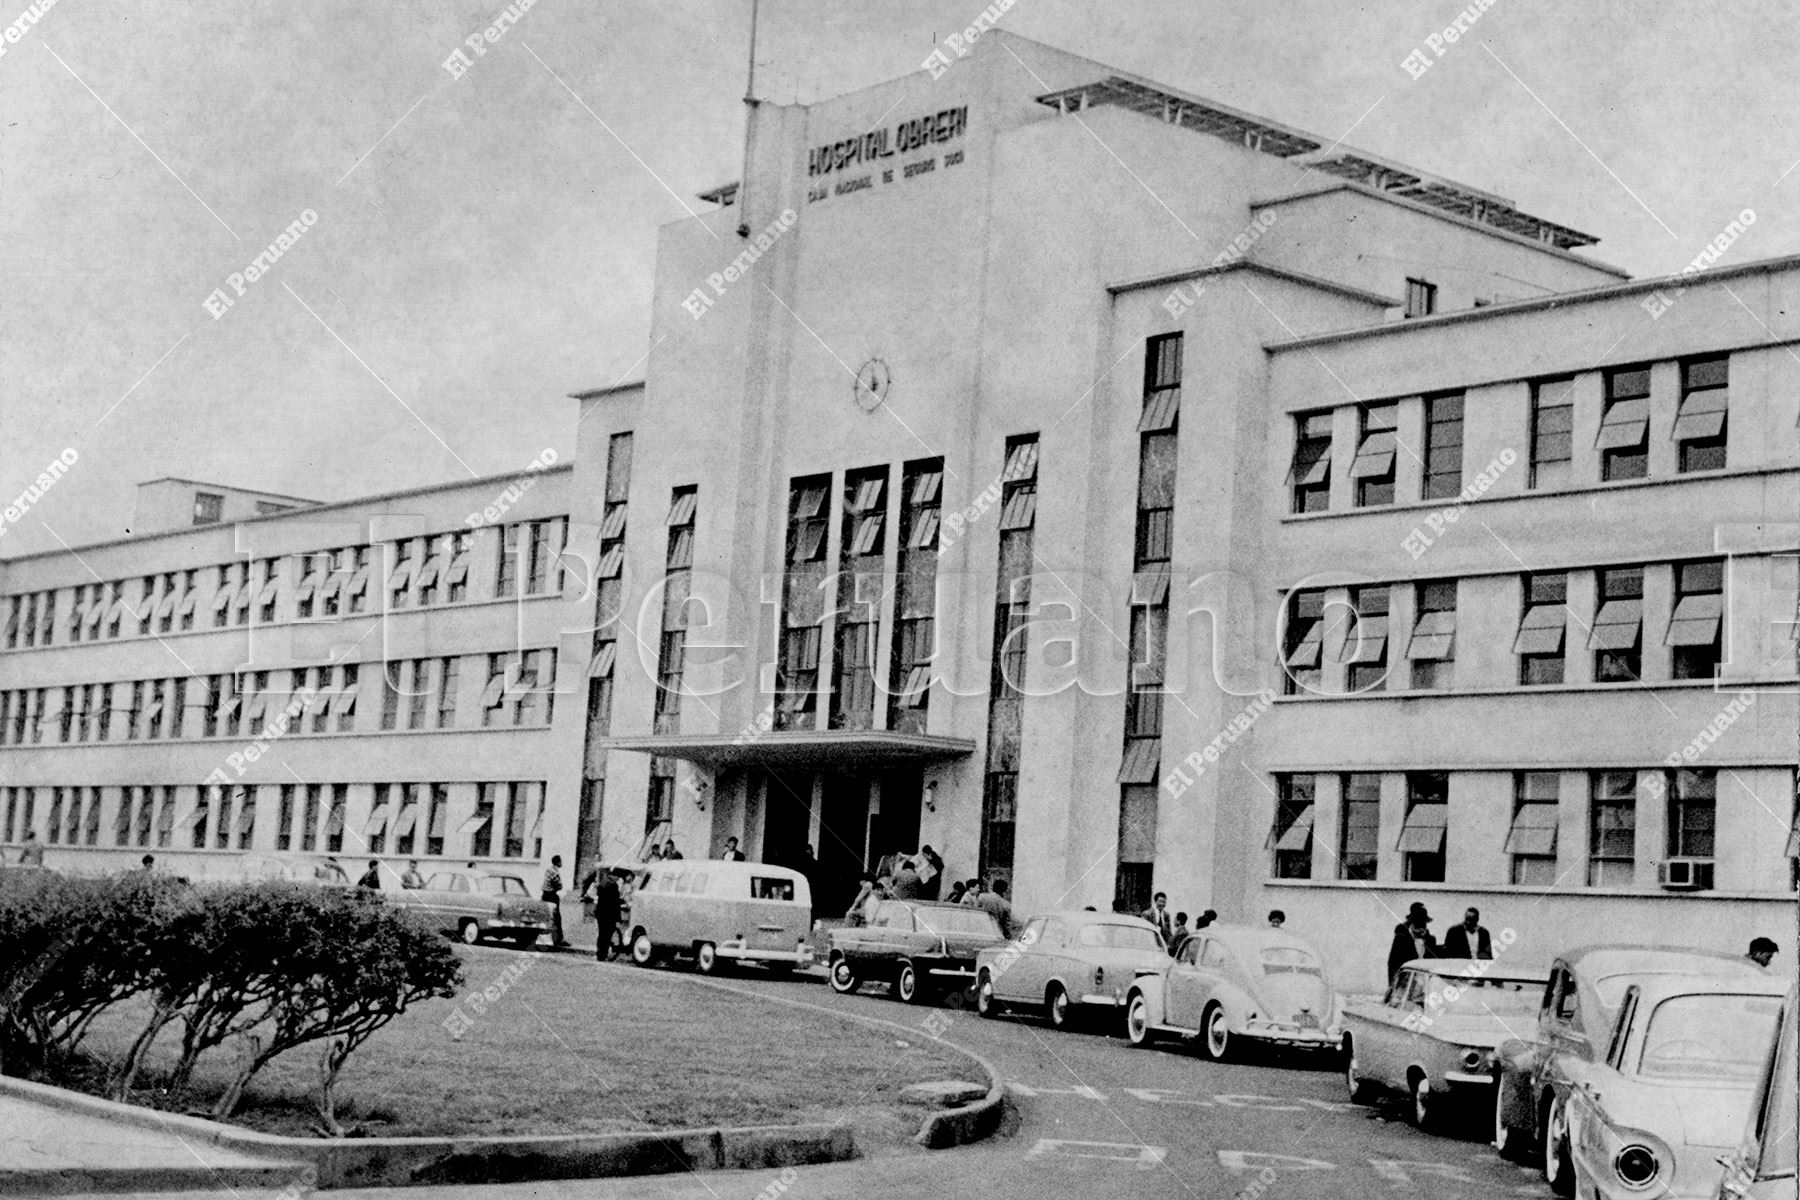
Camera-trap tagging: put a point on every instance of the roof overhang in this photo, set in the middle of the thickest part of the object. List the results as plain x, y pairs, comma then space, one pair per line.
800, 748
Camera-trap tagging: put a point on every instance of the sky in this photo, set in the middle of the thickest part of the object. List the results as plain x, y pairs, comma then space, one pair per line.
484, 241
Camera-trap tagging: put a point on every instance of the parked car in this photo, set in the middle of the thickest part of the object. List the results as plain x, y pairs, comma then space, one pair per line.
477, 904
1233, 984
1434, 1036
293, 868
920, 947
1068, 961
1575, 1016
1671, 1089
718, 910
1762, 1166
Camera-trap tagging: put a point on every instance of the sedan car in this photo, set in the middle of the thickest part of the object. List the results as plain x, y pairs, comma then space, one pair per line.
293, 868
477, 904
1066, 962
1232, 984
1576, 1015
920, 947
1434, 1036
1671, 1088
1762, 1167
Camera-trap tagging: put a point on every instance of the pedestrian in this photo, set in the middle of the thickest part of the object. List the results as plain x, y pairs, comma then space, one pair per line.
1180, 935
856, 913
971, 891
31, 854
669, 850
1762, 950
411, 880
931, 872
329, 871
732, 853
1206, 918
606, 913
1158, 915
994, 901
371, 878
1412, 939
1277, 918
907, 885
957, 891
655, 853
551, 894
149, 862
1468, 940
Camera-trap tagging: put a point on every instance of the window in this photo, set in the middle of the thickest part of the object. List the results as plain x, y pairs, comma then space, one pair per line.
356, 589
1692, 799
390, 693
493, 693
1542, 626
808, 523
121, 833
1137, 843
434, 826
1292, 834
432, 571
1443, 446
334, 817
1617, 636
309, 818
284, 820
343, 702
1531, 841
480, 827
1624, 440
1699, 613
1365, 646
517, 798
1427, 822
271, 591
1156, 498
1700, 423
1310, 475
660, 808
1303, 640
1372, 471
1612, 828
1421, 298
1359, 840
1552, 432
400, 579
1162, 383
209, 508
246, 818
1432, 650
507, 573
267, 508
203, 799
460, 556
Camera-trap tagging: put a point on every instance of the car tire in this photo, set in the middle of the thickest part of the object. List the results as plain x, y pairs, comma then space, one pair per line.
909, 984
986, 1003
468, 931
1514, 1145
1058, 1008
643, 950
1137, 1020
1215, 1034
1361, 1090
706, 958
1425, 1105
844, 979
1558, 1167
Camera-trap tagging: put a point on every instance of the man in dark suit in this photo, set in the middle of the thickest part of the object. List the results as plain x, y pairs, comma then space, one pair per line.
1158, 915
1468, 940
1411, 940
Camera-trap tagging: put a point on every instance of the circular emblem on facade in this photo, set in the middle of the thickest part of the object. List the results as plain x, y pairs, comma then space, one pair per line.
872, 385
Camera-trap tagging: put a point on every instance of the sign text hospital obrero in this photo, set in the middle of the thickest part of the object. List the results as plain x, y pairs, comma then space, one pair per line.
903, 138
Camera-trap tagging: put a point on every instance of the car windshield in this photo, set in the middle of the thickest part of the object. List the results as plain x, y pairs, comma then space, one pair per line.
957, 920
1289, 960
1778, 1131
1709, 1037
1118, 937
500, 885
1503, 999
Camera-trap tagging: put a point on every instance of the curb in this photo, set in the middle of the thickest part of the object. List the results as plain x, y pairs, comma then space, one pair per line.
941, 1130
399, 1162
33, 1181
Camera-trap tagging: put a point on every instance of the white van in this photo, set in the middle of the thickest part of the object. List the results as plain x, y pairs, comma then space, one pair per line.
712, 909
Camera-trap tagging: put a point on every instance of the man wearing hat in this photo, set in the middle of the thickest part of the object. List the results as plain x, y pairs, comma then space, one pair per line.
1411, 940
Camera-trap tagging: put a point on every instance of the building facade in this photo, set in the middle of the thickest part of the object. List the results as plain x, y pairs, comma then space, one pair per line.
1265, 522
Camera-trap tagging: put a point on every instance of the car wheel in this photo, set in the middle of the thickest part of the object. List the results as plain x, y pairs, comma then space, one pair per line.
908, 986
1559, 1170
1514, 1145
706, 958
1056, 1007
1424, 1105
469, 932
844, 978
643, 950
986, 1003
1137, 1021
1361, 1091
1215, 1034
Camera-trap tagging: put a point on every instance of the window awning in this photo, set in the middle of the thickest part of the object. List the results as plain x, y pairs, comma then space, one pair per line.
1150, 587
359, 582
800, 748
490, 695
1305, 653
1299, 833
611, 563
474, 824
1020, 509
1366, 642
377, 821
1432, 637
1375, 457
1624, 424
1425, 828
1140, 760
165, 606
601, 665
400, 578
428, 573
1312, 464
95, 611
409, 817
246, 818
223, 597
269, 591
682, 511
1533, 830
614, 525
334, 820
1021, 463
924, 532
1616, 628
1702, 415
1160, 411
459, 570
1696, 620
1541, 632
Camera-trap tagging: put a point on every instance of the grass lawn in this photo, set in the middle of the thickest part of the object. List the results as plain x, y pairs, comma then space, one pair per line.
570, 1047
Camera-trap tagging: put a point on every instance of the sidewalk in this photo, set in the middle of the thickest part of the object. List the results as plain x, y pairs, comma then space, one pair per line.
52, 1151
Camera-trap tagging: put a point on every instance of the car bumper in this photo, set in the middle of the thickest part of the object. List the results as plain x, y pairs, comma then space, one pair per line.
1468, 1079
1288, 1035
737, 950
1103, 1000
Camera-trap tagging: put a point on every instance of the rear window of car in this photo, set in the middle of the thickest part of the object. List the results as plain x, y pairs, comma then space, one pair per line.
1500, 998
1290, 960
764, 887
501, 885
445, 881
1710, 1037
1118, 937
957, 920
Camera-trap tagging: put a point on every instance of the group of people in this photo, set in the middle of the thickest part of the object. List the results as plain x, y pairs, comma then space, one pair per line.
1175, 931
921, 877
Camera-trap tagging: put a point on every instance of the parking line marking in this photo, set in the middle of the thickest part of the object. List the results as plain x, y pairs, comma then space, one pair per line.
1143, 1158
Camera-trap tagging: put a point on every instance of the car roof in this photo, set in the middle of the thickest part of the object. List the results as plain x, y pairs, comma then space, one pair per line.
1081, 916
1602, 961
722, 864
1483, 968
1255, 937
1660, 988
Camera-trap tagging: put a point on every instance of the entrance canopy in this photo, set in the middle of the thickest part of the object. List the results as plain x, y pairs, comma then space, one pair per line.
801, 748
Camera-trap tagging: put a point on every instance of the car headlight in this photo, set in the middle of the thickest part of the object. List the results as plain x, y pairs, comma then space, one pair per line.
1636, 1165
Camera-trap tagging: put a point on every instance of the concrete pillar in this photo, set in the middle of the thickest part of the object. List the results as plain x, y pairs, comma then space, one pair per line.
1659, 606
1496, 419
1409, 455
1665, 399
1590, 403
1572, 830
1344, 432
1480, 818
1488, 608
1402, 616
1652, 826
1333, 673
1328, 821
1391, 867
1583, 605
